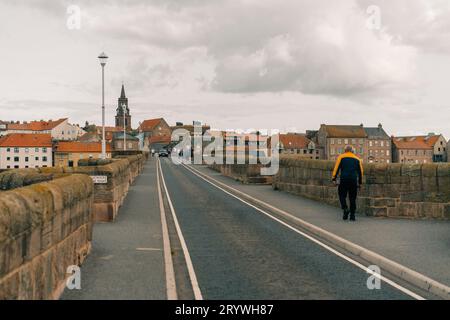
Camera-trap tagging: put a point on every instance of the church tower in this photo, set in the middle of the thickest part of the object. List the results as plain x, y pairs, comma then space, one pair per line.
119, 112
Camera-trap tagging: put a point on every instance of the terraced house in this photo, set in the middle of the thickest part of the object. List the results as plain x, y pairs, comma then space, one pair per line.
334, 138
59, 129
419, 149
378, 145
21, 150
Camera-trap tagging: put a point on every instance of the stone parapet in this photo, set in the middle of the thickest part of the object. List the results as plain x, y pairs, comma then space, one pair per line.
389, 190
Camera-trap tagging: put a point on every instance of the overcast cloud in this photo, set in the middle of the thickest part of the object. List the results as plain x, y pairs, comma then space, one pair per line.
231, 63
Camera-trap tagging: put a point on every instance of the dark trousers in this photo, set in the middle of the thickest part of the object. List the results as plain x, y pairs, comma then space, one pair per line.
349, 187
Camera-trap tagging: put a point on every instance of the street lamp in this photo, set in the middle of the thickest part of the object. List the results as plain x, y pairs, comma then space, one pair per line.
124, 110
103, 58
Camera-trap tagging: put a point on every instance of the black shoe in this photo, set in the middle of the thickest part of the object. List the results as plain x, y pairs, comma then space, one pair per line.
346, 212
352, 217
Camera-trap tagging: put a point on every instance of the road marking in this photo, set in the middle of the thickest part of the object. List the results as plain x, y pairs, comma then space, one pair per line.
171, 288
339, 254
148, 249
190, 266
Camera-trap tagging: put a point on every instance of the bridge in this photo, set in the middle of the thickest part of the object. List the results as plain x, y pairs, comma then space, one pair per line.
155, 229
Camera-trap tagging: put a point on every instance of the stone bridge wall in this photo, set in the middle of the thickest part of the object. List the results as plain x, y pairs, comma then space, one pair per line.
389, 190
245, 173
44, 228
120, 174
46, 222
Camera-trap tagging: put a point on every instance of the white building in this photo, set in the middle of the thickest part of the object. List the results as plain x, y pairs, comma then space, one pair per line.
20, 150
59, 129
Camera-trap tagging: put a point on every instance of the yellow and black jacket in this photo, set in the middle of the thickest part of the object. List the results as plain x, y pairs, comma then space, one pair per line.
349, 166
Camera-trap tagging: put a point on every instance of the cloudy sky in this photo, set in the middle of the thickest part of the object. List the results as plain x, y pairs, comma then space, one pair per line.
290, 64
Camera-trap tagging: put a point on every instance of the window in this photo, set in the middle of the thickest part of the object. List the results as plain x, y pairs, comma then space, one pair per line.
36, 158
8, 149
332, 141
8, 167
44, 159
361, 141
16, 159
382, 143
332, 151
387, 152
8, 158
44, 150
346, 141
339, 141
36, 149
16, 167
370, 143
16, 150
26, 159
27, 150
387, 161
353, 141
387, 143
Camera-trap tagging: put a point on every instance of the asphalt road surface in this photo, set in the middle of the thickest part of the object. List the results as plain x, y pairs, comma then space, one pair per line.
239, 253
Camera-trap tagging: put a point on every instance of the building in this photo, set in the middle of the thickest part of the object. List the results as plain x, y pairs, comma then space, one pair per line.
25, 150
411, 150
67, 153
378, 145
3, 128
419, 149
439, 147
154, 131
448, 151
298, 144
132, 142
90, 137
120, 117
109, 132
156, 143
59, 129
334, 138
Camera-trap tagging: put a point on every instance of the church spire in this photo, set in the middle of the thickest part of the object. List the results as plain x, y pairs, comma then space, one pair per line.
122, 94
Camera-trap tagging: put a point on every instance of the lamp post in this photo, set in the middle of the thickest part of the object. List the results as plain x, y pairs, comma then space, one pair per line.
124, 109
103, 58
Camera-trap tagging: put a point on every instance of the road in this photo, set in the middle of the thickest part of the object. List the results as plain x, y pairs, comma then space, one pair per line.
239, 253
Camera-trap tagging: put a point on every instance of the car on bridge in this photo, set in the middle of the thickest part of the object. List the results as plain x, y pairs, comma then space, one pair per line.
163, 153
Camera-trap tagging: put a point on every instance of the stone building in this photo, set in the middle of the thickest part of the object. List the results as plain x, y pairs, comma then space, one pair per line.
132, 142
419, 149
120, 117
439, 147
67, 154
378, 145
298, 144
334, 138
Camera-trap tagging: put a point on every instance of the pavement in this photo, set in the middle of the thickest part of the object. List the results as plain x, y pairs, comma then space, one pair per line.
421, 245
126, 261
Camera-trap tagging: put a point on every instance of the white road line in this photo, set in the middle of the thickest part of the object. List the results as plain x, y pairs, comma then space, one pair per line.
356, 263
190, 266
171, 288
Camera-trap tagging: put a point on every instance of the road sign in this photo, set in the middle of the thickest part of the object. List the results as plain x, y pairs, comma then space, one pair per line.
100, 179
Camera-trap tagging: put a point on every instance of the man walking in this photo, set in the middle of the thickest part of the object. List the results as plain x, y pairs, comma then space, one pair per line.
350, 169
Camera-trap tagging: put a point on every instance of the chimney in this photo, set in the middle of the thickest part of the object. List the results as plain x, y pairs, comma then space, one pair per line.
361, 125
380, 126
430, 134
